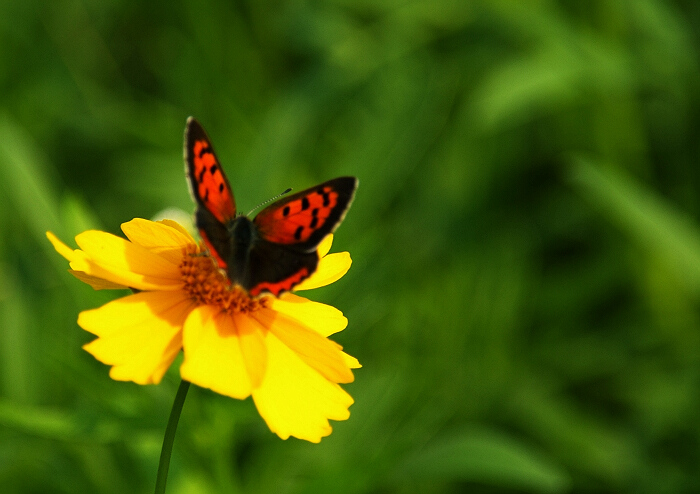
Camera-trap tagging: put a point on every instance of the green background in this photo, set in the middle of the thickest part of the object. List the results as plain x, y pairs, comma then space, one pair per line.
525, 293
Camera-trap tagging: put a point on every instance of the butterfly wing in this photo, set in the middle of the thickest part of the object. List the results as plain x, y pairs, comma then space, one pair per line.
302, 220
211, 191
276, 268
289, 232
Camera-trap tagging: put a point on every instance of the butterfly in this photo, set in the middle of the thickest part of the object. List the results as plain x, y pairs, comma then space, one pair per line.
278, 248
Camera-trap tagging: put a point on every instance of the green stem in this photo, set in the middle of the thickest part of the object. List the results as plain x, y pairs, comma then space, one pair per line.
169, 437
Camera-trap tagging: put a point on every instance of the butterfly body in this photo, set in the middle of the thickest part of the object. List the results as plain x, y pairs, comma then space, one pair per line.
277, 249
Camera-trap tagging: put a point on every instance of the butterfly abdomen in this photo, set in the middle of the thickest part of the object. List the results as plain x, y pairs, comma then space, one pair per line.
259, 265
242, 236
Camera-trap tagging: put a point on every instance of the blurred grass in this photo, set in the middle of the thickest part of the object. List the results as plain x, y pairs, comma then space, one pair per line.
524, 293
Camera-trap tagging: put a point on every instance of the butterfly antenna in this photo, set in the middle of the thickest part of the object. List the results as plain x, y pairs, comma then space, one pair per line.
270, 200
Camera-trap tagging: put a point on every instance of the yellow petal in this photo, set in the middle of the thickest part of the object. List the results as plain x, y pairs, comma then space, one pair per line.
82, 264
351, 361
252, 340
117, 260
330, 269
139, 335
70, 254
324, 319
295, 400
318, 352
325, 246
158, 237
177, 226
213, 355
60, 247
96, 283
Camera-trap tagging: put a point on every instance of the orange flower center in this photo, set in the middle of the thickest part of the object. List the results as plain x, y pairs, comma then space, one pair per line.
208, 285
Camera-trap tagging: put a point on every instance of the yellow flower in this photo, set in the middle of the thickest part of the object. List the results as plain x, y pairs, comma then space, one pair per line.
275, 349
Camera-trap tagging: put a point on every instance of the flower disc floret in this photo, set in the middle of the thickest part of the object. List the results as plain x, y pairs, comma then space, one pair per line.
206, 284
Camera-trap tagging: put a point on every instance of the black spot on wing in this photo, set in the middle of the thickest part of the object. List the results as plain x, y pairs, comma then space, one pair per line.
305, 203
297, 233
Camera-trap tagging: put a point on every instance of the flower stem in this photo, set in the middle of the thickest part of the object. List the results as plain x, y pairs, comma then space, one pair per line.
167, 449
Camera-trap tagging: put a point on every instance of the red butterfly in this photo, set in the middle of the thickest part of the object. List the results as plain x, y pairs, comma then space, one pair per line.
276, 250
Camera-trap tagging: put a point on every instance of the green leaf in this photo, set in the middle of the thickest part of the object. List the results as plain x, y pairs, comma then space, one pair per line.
654, 224
485, 456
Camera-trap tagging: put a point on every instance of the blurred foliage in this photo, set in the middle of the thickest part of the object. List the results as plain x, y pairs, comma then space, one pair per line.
525, 291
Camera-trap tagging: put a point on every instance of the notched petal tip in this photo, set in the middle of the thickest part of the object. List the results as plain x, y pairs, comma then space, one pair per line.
294, 399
